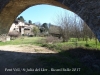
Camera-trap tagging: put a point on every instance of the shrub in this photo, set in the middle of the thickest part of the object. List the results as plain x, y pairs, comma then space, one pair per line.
41, 41
51, 39
87, 45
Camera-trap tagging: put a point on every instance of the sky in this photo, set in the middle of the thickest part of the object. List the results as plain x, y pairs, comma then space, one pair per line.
43, 13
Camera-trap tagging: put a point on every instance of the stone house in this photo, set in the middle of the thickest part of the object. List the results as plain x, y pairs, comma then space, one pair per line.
21, 28
54, 31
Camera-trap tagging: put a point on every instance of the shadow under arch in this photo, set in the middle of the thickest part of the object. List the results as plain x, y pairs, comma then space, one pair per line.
12, 8
76, 61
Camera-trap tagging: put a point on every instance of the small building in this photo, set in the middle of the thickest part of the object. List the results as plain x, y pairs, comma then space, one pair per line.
22, 28
54, 31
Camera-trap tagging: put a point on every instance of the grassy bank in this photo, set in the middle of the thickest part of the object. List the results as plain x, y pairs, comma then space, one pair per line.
22, 40
55, 45
60, 46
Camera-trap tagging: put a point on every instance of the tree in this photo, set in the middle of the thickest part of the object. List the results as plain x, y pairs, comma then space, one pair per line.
35, 31
73, 27
42, 29
21, 18
62, 20
30, 22
45, 25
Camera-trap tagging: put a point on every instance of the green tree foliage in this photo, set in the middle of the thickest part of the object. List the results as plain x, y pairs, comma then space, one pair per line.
42, 29
35, 31
21, 18
45, 25
30, 22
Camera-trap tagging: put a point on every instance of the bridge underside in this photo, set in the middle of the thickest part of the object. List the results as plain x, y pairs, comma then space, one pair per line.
88, 10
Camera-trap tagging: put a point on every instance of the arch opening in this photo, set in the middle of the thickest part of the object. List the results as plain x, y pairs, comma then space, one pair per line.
66, 15
76, 27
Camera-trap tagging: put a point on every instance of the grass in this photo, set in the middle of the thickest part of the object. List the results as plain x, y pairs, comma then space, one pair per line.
72, 44
23, 40
58, 46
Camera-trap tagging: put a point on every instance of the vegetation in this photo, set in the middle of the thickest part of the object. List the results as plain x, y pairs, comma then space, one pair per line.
22, 40
45, 25
73, 29
53, 43
58, 45
30, 22
36, 31
21, 18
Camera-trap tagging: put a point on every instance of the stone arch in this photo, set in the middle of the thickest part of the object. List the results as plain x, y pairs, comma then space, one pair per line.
88, 10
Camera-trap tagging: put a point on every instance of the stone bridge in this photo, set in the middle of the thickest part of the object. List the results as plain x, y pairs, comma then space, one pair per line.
88, 10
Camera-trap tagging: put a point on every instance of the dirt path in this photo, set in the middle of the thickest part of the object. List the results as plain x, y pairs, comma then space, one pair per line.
25, 49
15, 59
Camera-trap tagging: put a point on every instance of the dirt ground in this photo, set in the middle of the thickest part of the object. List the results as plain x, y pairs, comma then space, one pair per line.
18, 59
25, 49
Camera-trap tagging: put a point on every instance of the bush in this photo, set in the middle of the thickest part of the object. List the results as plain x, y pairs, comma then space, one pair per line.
41, 41
51, 39
87, 45
44, 45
